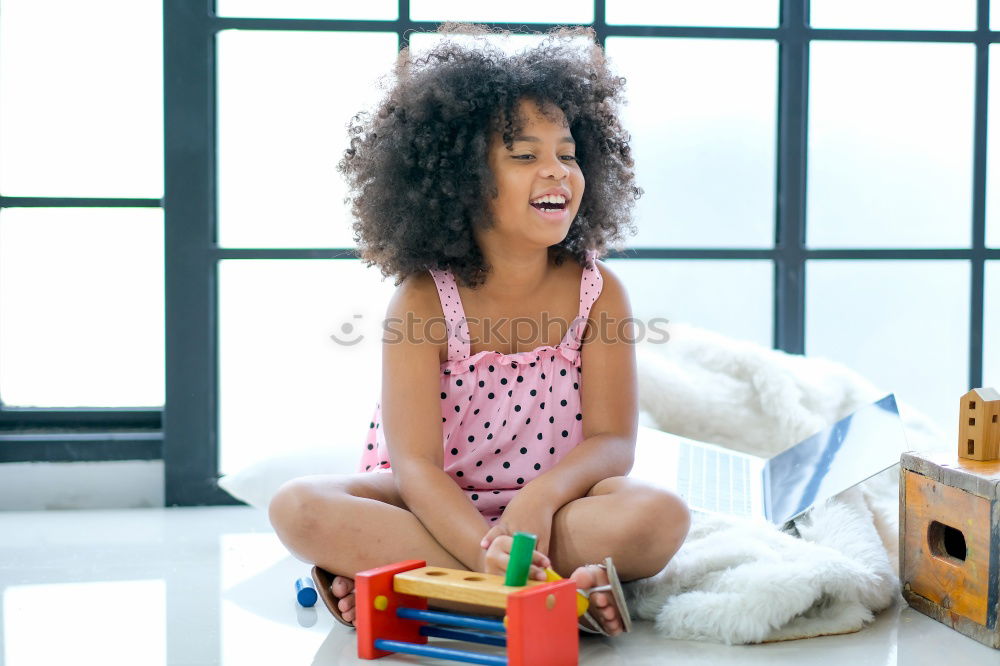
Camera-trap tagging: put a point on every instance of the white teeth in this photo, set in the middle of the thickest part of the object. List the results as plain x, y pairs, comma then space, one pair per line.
550, 198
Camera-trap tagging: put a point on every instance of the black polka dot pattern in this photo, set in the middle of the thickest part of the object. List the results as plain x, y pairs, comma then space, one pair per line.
497, 397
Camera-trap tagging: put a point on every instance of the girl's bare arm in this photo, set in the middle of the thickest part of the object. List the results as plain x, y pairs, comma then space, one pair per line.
411, 417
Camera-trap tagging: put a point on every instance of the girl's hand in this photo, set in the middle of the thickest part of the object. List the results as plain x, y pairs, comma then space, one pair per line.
496, 557
527, 512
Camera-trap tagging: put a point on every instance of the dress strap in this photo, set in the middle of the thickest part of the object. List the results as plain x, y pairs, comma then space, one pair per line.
454, 313
591, 285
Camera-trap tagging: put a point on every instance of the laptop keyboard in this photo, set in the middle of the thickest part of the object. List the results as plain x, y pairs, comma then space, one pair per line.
714, 481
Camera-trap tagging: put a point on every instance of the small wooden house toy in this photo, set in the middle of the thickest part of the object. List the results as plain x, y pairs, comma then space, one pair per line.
949, 528
979, 425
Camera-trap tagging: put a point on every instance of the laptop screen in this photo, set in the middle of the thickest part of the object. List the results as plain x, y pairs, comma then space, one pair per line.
850, 451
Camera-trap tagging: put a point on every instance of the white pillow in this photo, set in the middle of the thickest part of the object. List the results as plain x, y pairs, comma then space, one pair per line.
257, 483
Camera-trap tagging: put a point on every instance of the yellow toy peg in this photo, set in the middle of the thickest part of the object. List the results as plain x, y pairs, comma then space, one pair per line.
582, 602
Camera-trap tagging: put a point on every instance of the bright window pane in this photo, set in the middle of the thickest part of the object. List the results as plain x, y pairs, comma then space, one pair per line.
322, 9
736, 13
993, 151
733, 297
703, 137
285, 99
509, 11
991, 326
111, 623
894, 14
81, 307
890, 144
904, 325
82, 112
284, 383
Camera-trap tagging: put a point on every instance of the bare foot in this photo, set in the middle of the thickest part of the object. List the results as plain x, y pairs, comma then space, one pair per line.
603, 603
343, 588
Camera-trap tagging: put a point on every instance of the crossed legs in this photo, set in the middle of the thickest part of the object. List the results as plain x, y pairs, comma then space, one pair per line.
350, 523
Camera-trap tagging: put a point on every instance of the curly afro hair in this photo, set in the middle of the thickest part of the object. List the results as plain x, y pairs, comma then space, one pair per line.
417, 168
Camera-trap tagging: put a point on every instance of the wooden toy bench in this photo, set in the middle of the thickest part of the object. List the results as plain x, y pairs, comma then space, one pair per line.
539, 629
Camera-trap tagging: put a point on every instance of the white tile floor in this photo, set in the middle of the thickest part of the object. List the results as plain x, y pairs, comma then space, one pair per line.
214, 586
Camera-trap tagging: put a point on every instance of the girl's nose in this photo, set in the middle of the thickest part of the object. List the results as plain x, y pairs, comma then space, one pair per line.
553, 167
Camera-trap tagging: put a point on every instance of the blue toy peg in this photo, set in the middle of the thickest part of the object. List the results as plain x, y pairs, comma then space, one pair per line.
305, 592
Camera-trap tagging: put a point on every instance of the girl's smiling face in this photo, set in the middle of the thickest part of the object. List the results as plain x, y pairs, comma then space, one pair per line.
539, 182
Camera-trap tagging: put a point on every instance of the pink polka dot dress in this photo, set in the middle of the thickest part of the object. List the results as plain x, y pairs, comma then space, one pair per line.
506, 418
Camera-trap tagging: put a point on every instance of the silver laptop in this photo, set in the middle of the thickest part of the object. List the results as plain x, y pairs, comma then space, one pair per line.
713, 479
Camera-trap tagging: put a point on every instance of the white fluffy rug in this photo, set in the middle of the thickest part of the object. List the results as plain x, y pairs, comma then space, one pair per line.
739, 581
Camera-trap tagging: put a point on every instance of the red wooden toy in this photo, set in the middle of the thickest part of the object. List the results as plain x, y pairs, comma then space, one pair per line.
539, 629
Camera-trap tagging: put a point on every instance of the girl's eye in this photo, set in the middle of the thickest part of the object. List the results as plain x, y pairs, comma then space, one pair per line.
531, 157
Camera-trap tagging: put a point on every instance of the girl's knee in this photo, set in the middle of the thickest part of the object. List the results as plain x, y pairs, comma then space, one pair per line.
678, 517
658, 519
287, 505
297, 505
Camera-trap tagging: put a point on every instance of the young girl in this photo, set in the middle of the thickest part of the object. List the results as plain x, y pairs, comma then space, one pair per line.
479, 175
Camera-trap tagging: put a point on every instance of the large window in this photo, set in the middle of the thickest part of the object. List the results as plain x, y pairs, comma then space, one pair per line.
819, 169
81, 230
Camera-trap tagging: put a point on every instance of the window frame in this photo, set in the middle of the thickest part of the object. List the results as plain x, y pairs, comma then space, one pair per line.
185, 433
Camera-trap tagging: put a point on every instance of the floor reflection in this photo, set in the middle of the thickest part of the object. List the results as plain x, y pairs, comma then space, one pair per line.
214, 586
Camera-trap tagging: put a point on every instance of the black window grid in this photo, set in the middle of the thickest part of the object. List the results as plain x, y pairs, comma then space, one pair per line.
188, 441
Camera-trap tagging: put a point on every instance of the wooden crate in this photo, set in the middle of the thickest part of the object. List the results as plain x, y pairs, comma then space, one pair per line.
949, 533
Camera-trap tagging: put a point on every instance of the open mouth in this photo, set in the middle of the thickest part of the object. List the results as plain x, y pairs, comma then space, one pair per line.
546, 206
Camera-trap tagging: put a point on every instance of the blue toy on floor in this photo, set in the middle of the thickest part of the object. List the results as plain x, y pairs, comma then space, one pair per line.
305, 592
